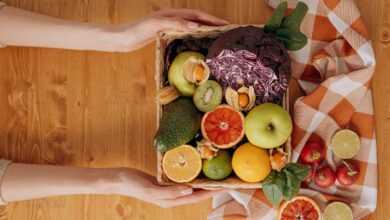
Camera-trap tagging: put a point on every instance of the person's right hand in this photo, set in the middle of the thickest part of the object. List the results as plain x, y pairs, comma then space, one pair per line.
137, 34
142, 186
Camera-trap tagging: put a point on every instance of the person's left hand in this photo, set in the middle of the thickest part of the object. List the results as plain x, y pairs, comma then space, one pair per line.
142, 186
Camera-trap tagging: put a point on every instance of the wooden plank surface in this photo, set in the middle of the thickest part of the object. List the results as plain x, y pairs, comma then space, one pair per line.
83, 108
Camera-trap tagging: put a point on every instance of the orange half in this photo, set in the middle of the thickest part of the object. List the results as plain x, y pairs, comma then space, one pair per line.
224, 127
182, 164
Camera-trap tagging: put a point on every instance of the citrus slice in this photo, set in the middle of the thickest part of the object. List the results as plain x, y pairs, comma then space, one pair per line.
223, 127
300, 207
345, 144
338, 211
250, 163
182, 164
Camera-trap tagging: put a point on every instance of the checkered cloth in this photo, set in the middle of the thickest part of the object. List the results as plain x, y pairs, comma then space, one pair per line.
335, 70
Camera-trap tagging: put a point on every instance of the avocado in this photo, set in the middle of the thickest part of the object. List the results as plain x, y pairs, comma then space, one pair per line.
179, 124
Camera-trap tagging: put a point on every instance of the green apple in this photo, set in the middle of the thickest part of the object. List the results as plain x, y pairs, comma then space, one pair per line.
176, 73
268, 126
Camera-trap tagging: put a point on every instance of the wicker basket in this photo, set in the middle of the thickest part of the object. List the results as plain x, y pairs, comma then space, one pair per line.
163, 40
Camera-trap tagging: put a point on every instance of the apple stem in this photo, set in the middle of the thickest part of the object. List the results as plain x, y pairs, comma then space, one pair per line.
270, 127
351, 172
316, 155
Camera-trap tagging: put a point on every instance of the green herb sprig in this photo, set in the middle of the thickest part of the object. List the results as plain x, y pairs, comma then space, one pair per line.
287, 29
284, 184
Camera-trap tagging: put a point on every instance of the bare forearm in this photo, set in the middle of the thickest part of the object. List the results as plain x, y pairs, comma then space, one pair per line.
25, 181
24, 28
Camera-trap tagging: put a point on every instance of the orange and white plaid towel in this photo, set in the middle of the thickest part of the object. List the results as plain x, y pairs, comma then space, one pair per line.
335, 70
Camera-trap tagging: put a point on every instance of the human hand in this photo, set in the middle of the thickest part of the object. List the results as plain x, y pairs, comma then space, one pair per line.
142, 186
133, 36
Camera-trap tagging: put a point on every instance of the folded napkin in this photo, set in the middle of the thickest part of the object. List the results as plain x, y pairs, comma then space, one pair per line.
335, 70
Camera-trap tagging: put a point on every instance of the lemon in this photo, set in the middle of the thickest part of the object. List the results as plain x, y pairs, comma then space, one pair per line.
182, 164
345, 144
250, 163
338, 211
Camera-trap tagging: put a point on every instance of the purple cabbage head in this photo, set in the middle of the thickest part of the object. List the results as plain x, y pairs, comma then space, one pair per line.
243, 68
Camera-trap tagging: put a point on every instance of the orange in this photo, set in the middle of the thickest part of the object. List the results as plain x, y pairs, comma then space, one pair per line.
182, 164
250, 163
300, 207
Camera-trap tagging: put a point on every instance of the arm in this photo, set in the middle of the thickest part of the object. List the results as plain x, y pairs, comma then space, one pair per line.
24, 28
24, 182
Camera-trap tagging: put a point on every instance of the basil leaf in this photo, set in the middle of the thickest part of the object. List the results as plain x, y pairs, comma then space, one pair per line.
300, 171
273, 193
277, 17
292, 186
292, 40
280, 180
294, 20
270, 178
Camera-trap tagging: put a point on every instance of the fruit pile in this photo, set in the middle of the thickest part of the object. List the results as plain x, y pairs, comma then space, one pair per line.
223, 128
223, 116
222, 107
345, 145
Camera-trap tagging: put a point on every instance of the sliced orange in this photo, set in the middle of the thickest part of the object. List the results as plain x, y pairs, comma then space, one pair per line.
223, 127
182, 164
300, 207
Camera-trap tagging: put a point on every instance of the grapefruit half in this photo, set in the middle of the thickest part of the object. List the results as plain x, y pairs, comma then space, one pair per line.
300, 207
223, 127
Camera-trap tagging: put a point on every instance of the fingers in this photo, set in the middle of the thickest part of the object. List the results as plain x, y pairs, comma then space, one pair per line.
172, 192
176, 24
195, 197
193, 15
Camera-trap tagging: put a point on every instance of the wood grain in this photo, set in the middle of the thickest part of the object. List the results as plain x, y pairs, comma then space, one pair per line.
83, 108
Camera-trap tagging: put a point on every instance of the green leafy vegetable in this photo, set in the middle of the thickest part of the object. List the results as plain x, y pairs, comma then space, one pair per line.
277, 17
291, 188
292, 40
299, 170
284, 184
273, 194
287, 29
272, 187
294, 20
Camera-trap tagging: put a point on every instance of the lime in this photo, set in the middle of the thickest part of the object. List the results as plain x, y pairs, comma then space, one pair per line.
182, 164
338, 211
219, 167
345, 144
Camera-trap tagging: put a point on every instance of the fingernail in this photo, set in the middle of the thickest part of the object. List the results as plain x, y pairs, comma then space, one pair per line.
186, 192
192, 25
225, 21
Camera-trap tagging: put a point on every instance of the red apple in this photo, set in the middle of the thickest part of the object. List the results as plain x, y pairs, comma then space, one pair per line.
324, 177
312, 170
348, 172
313, 153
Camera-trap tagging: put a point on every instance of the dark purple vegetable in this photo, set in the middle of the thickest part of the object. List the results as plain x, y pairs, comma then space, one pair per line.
235, 69
247, 56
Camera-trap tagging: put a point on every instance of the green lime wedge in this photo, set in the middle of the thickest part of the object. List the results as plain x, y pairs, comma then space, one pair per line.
338, 211
345, 144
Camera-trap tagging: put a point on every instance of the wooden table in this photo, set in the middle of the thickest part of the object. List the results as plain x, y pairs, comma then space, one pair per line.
84, 108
